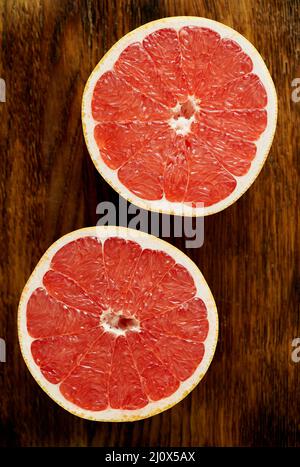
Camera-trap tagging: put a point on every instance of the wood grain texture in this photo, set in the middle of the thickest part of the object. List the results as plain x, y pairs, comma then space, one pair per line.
250, 257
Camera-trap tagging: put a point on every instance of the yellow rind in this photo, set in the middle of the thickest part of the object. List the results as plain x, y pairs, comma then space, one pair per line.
144, 204
160, 243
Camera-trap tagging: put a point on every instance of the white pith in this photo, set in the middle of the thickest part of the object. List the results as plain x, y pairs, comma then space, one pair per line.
263, 144
145, 241
182, 125
109, 321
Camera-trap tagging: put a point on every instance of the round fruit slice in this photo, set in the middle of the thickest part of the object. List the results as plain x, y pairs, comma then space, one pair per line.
116, 325
179, 116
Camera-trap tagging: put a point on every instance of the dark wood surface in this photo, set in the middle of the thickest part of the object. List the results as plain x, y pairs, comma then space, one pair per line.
250, 257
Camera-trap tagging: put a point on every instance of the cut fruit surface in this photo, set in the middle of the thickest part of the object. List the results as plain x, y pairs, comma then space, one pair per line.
145, 101
115, 324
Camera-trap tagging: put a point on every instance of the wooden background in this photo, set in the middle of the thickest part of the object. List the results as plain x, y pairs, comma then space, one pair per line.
250, 257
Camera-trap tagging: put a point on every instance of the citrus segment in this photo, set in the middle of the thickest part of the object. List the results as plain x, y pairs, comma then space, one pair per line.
143, 174
215, 182
150, 271
176, 172
120, 259
46, 317
164, 49
87, 385
157, 381
57, 356
137, 137
68, 292
136, 68
242, 93
226, 63
244, 124
179, 355
176, 287
197, 48
125, 386
114, 100
187, 321
233, 153
82, 262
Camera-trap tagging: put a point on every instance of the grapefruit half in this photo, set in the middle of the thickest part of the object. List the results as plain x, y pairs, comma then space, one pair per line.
116, 325
179, 116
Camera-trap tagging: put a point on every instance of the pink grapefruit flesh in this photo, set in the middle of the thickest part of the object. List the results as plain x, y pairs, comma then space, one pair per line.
114, 326
181, 111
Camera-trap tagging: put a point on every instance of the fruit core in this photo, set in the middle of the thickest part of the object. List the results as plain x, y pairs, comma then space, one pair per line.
184, 115
117, 323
